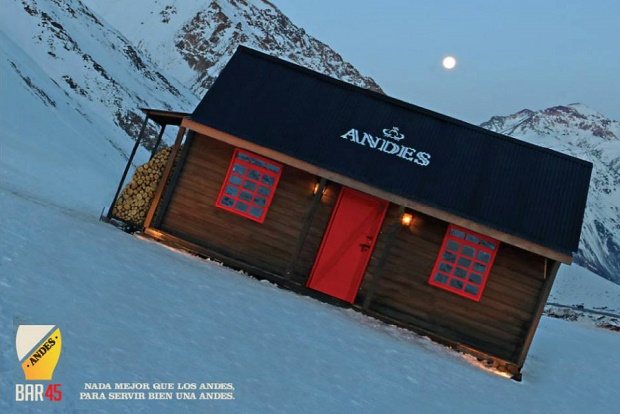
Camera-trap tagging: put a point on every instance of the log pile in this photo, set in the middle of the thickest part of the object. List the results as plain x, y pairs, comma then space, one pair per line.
135, 201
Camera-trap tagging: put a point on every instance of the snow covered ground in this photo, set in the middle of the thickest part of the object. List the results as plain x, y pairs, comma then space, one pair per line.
577, 286
581, 296
135, 311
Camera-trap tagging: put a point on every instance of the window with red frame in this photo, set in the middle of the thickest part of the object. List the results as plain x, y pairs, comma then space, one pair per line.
249, 186
464, 262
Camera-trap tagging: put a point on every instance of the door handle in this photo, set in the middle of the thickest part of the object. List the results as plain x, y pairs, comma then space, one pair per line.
365, 246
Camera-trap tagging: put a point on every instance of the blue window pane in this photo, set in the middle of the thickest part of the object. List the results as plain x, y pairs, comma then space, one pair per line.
472, 238
484, 256
232, 190
258, 162
457, 284
475, 278
468, 251
457, 233
239, 169
443, 279
472, 290
253, 174
227, 201
241, 206
256, 212
449, 257
245, 196
464, 262
267, 180
273, 168
260, 201
479, 267
264, 191
235, 179
460, 272
243, 156
487, 244
452, 245
249, 185
445, 267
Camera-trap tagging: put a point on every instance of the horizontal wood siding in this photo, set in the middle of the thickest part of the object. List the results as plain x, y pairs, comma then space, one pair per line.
496, 325
192, 215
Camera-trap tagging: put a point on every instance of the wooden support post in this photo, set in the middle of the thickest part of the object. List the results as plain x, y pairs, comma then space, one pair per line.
164, 178
133, 154
540, 307
384, 254
173, 180
156, 147
306, 228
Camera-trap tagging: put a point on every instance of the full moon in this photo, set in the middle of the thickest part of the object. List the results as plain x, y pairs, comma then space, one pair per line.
449, 62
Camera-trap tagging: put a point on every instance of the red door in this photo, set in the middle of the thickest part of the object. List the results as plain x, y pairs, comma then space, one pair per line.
347, 244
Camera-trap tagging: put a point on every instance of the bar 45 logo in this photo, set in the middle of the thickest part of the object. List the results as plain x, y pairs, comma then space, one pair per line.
38, 349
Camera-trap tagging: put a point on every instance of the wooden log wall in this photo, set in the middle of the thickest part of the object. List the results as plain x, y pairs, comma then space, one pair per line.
191, 214
496, 325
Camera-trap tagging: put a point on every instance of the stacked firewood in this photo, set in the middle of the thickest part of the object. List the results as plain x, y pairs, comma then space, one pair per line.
135, 200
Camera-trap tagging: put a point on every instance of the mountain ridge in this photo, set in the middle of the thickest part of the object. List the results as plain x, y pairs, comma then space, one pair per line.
90, 62
577, 130
194, 39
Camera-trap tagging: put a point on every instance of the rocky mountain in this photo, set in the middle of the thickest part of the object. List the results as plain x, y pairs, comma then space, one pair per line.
580, 131
93, 65
165, 55
193, 39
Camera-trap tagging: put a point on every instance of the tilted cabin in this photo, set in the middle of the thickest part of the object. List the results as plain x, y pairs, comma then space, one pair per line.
410, 216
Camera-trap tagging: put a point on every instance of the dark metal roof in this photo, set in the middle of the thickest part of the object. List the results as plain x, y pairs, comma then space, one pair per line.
163, 117
507, 184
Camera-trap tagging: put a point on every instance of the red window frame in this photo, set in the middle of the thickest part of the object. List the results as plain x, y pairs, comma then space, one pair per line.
464, 262
250, 185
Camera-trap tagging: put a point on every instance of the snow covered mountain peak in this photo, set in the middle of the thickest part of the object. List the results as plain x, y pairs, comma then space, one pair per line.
117, 56
582, 132
90, 63
571, 120
193, 39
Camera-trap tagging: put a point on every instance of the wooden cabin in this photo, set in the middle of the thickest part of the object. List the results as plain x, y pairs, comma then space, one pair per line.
405, 214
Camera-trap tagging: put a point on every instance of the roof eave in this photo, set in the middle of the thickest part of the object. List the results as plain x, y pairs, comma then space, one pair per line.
163, 117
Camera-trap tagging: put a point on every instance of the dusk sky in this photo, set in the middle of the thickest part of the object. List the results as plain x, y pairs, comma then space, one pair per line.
510, 55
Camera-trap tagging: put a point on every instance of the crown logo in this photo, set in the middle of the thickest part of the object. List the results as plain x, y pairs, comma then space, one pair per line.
393, 134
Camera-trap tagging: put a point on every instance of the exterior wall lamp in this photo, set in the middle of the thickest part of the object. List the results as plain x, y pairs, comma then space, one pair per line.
317, 186
406, 219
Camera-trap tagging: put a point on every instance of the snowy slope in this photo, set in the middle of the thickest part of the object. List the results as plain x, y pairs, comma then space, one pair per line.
46, 152
91, 63
134, 311
584, 133
105, 74
576, 286
581, 296
193, 39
